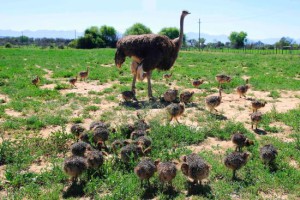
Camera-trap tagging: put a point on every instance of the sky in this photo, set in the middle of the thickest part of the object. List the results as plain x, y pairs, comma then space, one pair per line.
259, 18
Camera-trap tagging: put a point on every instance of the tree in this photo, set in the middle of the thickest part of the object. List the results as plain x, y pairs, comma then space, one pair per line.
171, 32
284, 41
108, 35
237, 39
201, 41
137, 29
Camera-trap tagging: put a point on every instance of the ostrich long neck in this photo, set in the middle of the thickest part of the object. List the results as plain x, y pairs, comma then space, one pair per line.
178, 41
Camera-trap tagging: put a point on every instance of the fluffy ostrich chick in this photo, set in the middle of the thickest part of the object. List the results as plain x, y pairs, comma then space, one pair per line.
268, 153
195, 168
166, 171
213, 101
175, 110
241, 141
74, 166
235, 161
145, 170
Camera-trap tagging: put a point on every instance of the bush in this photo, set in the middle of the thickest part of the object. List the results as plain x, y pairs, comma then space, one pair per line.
8, 45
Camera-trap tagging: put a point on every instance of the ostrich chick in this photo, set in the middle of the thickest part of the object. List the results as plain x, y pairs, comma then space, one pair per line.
144, 141
241, 90
221, 78
100, 134
170, 95
36, 81
132, 151
145, 170
79, 148
72, 81
256, 117
257, 105
97, 124
175, 110
137, 133
76, 130
235, 161
152, 51
128, 96
268, 154
94, 159
166, 171
74, 166
84, 74
195, 168
186, 96
197, 83
240, 141
213, 101
167, 76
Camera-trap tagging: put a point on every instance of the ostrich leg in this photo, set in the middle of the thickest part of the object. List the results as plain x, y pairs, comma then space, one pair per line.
133, 83
149, 85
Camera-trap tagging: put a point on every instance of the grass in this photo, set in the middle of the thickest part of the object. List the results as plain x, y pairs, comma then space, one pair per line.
21, 146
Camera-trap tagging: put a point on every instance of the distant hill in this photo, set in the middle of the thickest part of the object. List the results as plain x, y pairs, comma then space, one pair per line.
208, 38
71, 35
224, 38
41, 34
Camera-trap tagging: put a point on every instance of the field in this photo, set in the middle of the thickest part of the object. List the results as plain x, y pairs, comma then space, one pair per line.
35, 124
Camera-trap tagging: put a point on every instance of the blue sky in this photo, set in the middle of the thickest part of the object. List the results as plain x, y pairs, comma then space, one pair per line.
259, 18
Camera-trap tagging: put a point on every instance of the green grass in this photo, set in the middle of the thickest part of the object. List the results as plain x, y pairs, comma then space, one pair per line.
22, 146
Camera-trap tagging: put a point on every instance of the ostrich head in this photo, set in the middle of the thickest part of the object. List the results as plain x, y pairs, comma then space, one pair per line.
185, 13
119, 58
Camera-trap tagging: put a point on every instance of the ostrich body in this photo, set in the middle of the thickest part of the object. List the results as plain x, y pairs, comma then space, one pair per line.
170, 95
197, 83
72, 81
128, 95
100, 134
235, 161
97, 124
151, 51
145, 170
84, 74
137, 133
74, 166
186, 96
145, 141
79, 148
240, 141
132, 151
221, 78
166, 171
256, 117
213, 101
175, 110
94, 159
195, 167
167, 76
36, 81
77, 130
257, 105
241, 90
268, 153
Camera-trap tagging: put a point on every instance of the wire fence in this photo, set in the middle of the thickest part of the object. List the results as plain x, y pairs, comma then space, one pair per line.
247, 51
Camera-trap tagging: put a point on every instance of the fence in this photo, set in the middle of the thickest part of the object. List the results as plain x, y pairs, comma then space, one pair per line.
248, 51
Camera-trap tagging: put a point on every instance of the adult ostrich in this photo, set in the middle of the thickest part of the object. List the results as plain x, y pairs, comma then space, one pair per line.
149, 51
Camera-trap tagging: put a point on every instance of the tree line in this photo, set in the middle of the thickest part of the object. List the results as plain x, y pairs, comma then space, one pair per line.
107, 36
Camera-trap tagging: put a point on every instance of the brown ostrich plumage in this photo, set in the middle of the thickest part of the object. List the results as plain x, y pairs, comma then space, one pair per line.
151, 51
